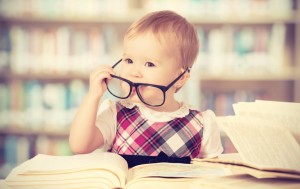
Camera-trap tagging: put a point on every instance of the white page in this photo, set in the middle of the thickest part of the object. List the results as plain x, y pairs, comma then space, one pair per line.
293, 106
244, 182
261, 142
175, 170
47, 164
73, 177
285, 112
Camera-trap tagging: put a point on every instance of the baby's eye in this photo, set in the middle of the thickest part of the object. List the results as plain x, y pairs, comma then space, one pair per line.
149, 64
128, 61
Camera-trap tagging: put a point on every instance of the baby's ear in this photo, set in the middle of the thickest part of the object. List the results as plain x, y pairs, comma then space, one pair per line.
182, 80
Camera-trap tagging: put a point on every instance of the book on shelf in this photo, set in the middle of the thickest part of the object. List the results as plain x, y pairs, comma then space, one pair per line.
104, 170
266, 135
82, 9
40, 105
68, 49
243, 50
60, 49
5, 46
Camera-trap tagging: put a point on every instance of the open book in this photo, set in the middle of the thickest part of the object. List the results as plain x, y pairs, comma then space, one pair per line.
104, 170
267, 136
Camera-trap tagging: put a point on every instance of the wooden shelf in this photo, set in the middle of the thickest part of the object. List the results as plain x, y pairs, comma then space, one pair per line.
111, 19
285, 76
28, 132
47, 76
129, 18
288, 75
244, 21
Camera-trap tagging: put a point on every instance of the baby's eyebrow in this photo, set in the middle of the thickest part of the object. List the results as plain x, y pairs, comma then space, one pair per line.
153, 61
126, 55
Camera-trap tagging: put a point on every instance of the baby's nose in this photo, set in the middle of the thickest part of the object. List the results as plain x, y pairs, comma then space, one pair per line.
136, 72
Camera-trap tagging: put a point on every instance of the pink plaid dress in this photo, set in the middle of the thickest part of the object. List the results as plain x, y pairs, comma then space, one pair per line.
136, 135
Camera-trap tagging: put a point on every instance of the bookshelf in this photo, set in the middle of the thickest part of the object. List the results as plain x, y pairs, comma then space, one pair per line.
248, 50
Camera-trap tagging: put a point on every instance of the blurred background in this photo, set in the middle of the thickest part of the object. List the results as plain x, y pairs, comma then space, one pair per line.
249, 49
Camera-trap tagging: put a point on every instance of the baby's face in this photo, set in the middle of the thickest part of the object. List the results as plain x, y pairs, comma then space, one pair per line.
147, 60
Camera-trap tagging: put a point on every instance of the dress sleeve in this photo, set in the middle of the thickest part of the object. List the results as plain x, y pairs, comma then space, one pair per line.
106, 122
211, 145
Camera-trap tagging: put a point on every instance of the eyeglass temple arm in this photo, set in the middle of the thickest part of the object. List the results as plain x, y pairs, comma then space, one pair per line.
188, 69
116, 63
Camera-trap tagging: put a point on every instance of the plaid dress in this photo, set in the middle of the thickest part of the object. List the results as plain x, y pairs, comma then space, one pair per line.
136, 135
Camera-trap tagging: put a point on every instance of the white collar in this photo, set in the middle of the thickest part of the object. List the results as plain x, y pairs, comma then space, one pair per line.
156, 116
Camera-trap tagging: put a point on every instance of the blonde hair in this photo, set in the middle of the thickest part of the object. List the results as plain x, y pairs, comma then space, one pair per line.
172, 28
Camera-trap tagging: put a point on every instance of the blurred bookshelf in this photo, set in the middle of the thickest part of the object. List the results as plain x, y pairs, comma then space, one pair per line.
248, 50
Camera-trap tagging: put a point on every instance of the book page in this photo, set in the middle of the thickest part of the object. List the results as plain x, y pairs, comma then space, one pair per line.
229, 156
241, 108
262, 143
76, 185
244, 182
261, 174
63, 165
285, 112
175, 170
72, 177
217, 182
238, 167
285, 106
161, 183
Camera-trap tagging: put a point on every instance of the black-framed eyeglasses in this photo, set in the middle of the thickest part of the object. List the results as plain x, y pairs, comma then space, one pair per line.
149, 94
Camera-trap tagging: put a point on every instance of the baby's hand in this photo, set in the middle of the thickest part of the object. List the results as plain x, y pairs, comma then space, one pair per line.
97, 80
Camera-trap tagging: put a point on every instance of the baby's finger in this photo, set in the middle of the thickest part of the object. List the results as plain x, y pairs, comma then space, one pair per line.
101, 70
101, 77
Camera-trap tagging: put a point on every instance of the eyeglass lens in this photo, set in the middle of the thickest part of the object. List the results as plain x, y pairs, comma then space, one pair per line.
118, 88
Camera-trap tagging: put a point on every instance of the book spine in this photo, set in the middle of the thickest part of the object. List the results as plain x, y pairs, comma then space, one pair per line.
40, 106
242, 50
60, 50
5, 47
